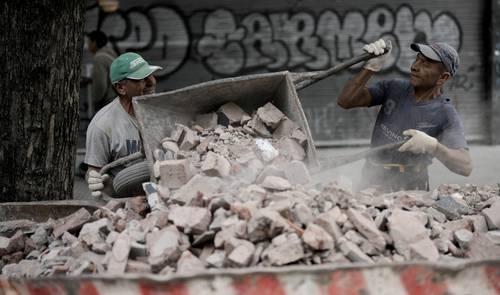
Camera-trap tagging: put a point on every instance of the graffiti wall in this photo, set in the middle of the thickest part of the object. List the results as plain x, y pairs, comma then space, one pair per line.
196, 42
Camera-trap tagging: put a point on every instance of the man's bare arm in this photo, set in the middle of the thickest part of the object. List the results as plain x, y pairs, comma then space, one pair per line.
457, 160
355, 94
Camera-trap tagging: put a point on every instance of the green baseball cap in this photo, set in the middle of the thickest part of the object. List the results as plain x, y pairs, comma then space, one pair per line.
130, 65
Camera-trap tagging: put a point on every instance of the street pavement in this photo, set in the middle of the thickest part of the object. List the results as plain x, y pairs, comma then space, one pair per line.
486, 160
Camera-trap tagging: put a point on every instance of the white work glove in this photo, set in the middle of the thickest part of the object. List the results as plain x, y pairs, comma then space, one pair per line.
96, 182
419, 143
377, 48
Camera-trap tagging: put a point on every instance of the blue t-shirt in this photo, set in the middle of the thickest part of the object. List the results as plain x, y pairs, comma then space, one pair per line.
400, 111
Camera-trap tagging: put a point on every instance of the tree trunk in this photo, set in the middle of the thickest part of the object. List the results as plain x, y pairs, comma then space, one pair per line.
40, 52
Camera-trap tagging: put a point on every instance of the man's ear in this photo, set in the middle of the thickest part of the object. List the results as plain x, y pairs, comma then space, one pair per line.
120, 88
443, 78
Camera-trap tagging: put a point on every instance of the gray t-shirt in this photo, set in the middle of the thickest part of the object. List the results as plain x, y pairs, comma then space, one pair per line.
111, 135
401, 111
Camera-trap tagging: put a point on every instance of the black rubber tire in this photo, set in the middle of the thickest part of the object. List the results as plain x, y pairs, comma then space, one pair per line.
128, 182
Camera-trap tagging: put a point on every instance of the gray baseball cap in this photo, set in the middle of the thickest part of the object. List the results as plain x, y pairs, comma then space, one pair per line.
442, 52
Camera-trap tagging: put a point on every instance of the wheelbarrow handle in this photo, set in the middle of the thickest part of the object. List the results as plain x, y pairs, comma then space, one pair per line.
302, 80
338, 161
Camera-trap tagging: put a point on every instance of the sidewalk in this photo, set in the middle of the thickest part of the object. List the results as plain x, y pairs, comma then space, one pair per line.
486, 161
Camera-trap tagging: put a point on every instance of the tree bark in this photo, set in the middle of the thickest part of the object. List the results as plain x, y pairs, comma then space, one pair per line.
41, 50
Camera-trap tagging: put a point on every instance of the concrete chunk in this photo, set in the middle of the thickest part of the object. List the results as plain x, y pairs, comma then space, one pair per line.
317, 238
463, 238
25, 268
216, 165
188, 263
230, 113
12, 244
302, 213
8, 228
459, 224
190, 140
265, 224
405, 229
134, 266
299, 136
367, 228
242, 254
258, 127
270, 170
138, 204
291, 149
198, 186
478, 223
178, 133
481, 247
494, 236
353, 252
119, 255
207, 121
40, 237
94, 232
436, 215
163, 247
296, 172
71, 222
492, 215
327, 222
285, 128
424, 249
451, 208
270, 115
191, 219
174, 173
285, 253
276, 183
171, 149
217, 259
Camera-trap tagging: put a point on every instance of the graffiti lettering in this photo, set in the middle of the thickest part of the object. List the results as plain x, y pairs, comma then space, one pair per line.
282, 40
158, 33
229, 45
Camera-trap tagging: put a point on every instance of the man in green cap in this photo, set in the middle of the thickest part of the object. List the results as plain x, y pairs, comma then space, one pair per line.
113, 133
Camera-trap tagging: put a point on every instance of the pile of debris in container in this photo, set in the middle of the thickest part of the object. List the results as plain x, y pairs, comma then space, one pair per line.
233, 191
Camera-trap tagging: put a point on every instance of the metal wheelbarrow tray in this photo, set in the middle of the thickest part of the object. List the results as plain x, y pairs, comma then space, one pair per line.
157, 114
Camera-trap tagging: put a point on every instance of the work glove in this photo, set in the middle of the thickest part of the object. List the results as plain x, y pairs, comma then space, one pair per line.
377, 48
419, 143
96, 183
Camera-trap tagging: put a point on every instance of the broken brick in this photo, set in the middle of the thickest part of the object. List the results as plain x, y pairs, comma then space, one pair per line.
192, 219
317, 238
270, 115
71, 222
216, 165
174, 173
230, 113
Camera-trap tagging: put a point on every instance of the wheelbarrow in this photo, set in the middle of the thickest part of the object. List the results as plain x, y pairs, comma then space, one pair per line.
157, 114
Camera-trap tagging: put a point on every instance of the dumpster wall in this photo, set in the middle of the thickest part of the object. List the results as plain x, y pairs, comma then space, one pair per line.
197, 41
481, 277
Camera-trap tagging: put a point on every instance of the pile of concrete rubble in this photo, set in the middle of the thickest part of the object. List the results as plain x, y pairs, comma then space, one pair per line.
233, 191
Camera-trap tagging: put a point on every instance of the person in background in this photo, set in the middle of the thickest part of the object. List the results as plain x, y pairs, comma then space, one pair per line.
102, 90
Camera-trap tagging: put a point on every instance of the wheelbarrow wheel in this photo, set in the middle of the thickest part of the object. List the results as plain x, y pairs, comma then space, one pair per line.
128, 182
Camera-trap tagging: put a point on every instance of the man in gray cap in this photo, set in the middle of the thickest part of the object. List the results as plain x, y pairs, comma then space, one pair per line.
413, 109
113, 133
